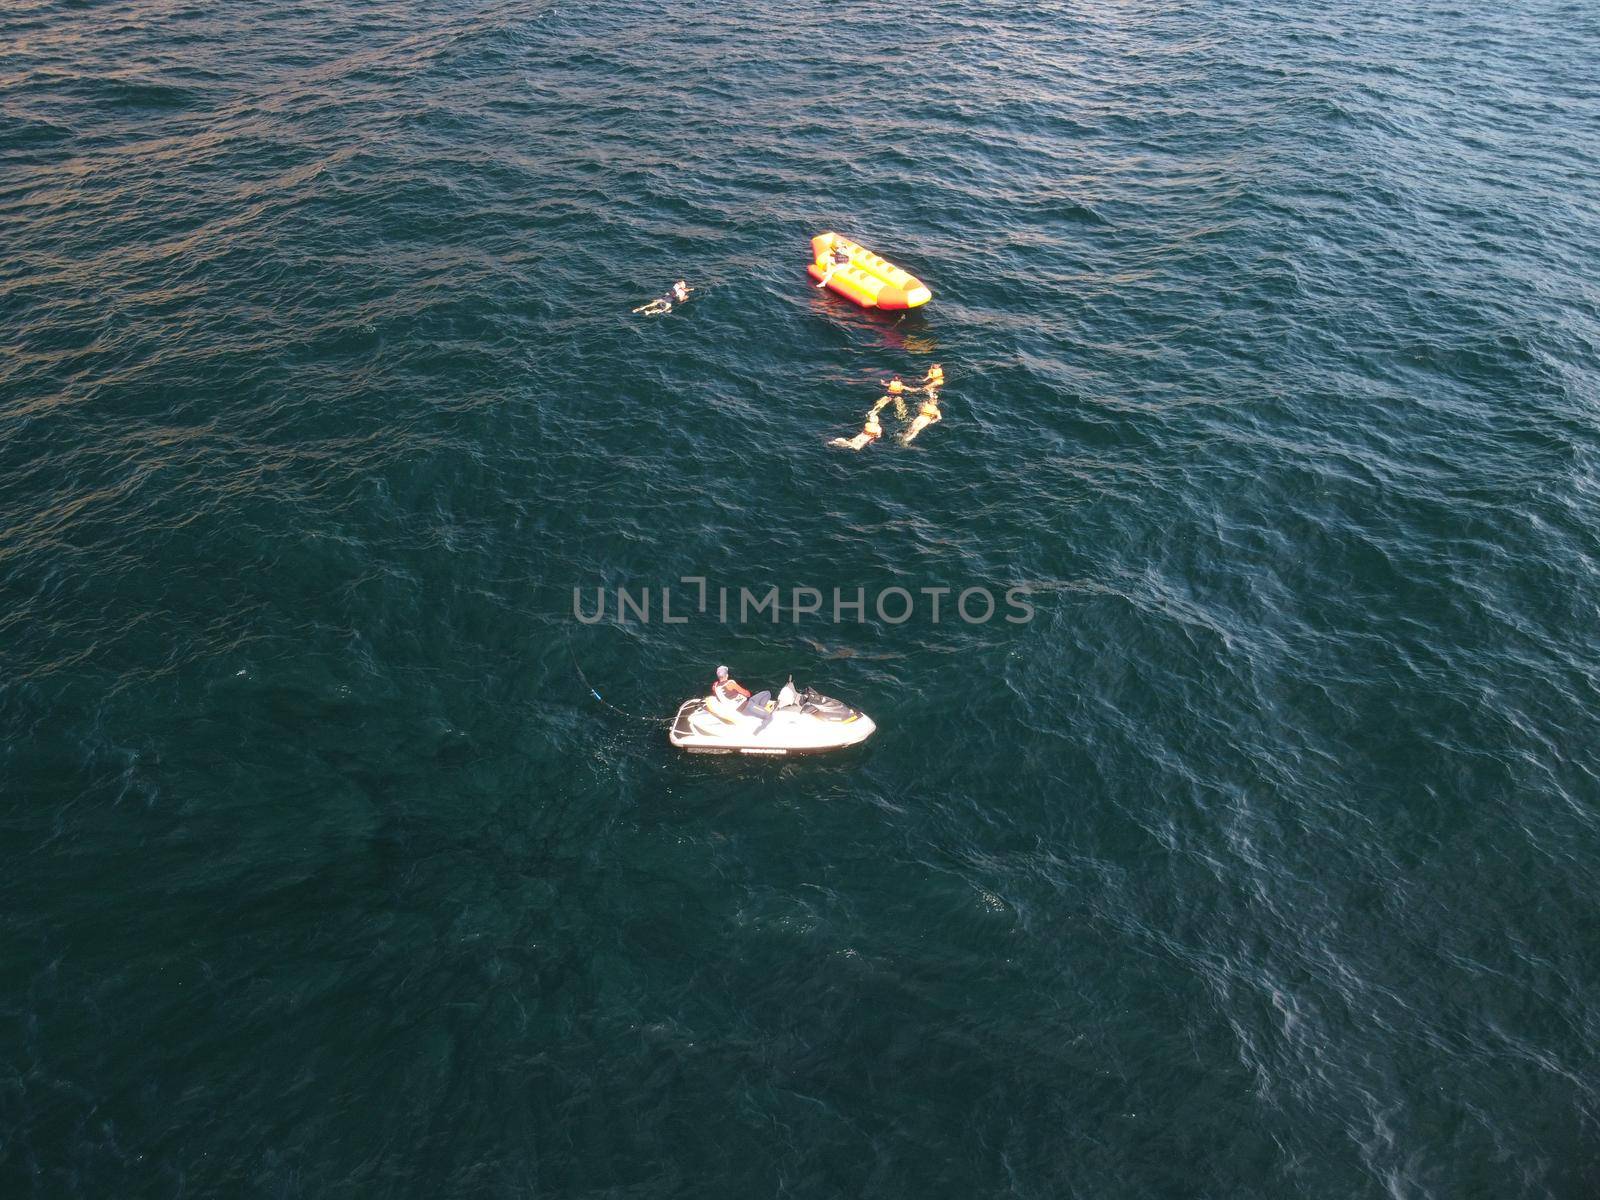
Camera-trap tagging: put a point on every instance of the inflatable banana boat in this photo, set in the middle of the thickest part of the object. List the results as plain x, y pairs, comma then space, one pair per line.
858, 274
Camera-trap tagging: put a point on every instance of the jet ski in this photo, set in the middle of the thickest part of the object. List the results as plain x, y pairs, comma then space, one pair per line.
803, 722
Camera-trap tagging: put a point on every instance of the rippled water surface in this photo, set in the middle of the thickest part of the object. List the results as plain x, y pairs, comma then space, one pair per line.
1261, 863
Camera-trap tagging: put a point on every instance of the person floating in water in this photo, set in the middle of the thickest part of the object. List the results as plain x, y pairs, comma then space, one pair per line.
934, 380
663, 304
838, 259
897, 389
728, 690
870, 432
928, 414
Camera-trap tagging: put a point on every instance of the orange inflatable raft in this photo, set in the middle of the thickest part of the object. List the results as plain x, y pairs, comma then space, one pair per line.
867, 279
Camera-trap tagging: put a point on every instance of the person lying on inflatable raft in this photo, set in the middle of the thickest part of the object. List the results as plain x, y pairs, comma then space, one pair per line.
858, 274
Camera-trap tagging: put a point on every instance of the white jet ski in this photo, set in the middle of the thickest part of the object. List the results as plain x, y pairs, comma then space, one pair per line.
802, 723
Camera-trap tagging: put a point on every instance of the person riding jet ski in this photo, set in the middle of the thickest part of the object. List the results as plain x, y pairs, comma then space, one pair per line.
730, 691
731, 721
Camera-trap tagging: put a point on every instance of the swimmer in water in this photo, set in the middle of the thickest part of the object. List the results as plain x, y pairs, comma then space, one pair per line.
897, 390
934, 380
928, 414
663, 304
838, 259
870, 432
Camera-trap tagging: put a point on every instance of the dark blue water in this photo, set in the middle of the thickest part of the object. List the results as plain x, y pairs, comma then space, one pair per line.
1262, 862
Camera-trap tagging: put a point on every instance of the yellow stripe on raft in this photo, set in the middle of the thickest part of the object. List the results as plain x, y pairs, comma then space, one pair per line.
870, 281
